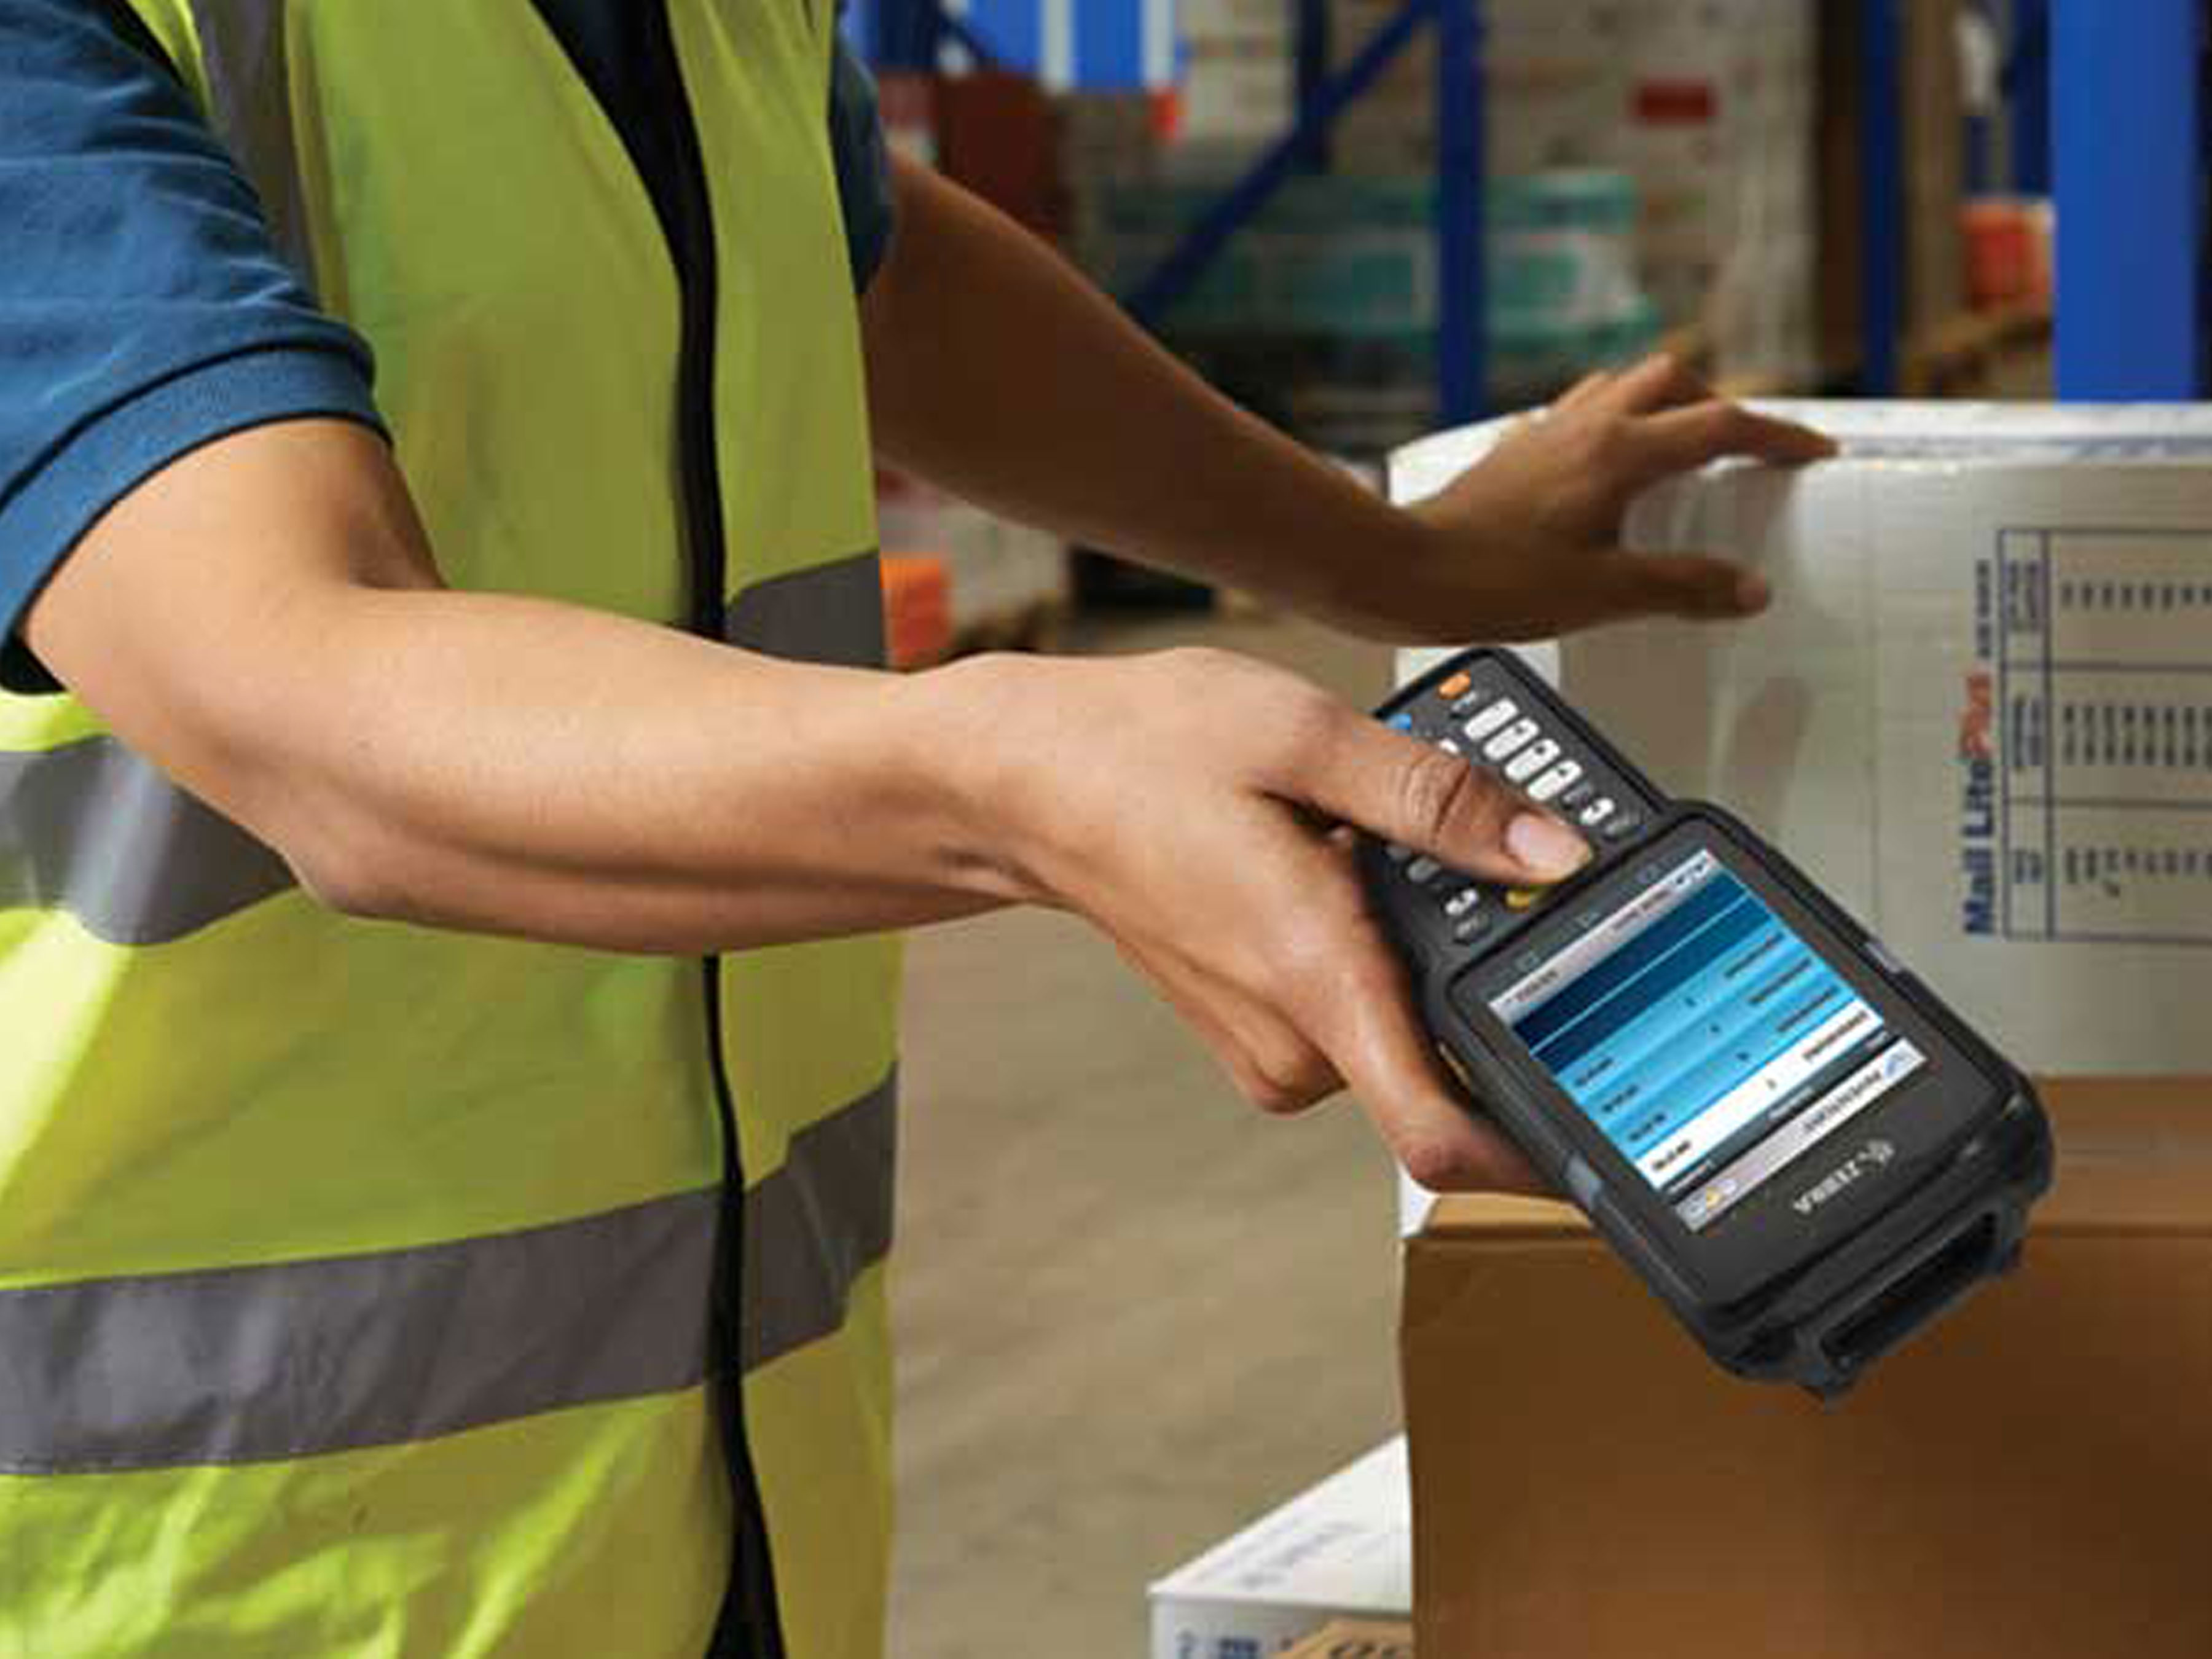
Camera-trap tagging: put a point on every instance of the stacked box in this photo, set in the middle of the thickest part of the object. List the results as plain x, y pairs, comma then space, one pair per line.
1719, 135
1708, 105
1553, 73
1235, 94
1239, 81
1355, 257
1110, 142
1563, 292
1341, 1549
1336, 257
1347, 265
1108, 138
2026, 1480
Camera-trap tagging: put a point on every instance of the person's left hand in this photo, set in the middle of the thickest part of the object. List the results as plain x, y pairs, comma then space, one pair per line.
1526, 543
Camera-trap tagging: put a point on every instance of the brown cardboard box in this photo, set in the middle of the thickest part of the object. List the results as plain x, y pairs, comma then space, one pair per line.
2032, 1479
1350, 1639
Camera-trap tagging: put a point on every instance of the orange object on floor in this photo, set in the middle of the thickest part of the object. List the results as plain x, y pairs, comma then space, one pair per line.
917, 609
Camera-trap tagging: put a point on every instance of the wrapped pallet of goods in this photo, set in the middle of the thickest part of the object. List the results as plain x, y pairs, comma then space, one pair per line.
1336, 282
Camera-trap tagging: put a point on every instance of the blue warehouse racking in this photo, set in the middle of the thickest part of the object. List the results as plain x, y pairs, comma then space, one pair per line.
2105, 103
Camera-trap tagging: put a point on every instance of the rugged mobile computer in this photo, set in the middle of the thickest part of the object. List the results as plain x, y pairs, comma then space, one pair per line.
1791, 1138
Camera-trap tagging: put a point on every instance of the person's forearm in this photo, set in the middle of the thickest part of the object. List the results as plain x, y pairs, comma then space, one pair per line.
562, 774
997, 371
493, 761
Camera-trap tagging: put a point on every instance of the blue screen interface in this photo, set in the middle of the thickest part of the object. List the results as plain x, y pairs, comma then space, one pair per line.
1702, 1035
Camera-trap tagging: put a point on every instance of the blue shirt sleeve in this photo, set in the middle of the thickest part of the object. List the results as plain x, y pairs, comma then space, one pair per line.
143, 309
864, 176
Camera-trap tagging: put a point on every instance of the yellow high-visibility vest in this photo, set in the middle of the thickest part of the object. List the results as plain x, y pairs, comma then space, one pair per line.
372, 1290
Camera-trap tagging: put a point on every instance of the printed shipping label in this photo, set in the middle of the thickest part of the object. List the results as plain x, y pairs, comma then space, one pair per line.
2085, 741
2042, 799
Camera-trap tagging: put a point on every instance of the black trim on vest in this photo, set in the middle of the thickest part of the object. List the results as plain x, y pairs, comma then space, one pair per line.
663, 142
122, 17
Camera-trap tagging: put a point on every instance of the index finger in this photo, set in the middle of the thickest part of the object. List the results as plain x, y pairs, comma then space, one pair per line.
1417, 795
1679, 440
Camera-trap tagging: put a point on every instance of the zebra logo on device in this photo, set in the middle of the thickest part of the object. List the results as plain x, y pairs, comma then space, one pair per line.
1873, 1156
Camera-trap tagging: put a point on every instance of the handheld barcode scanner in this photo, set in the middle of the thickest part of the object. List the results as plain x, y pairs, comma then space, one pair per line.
1794, 1141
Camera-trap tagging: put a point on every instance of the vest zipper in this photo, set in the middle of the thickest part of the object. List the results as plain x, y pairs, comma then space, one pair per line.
749, 1625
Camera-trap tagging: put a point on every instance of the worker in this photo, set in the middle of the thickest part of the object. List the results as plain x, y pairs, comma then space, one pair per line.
452, 828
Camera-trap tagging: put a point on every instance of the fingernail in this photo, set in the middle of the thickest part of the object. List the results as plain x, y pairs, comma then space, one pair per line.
1544, 847
1752, 590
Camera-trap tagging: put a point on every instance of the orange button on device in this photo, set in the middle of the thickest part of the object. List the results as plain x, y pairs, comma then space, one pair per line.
1522, 898
1454, 686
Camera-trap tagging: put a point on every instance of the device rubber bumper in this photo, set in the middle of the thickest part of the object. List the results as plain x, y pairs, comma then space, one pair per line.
1823, 1327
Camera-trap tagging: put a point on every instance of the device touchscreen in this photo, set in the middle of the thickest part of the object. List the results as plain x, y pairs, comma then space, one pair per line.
1702, 1035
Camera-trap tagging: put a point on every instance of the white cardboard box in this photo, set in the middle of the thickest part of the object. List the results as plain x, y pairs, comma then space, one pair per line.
1979, 711
1342, 1549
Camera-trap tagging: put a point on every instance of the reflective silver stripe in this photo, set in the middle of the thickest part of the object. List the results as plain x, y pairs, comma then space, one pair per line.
830, 613
247, 1364
244, 1364
249, 89
817, 1224
92, 828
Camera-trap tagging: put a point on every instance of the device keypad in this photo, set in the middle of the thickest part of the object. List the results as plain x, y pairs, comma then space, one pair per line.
1507, 742
1484, 718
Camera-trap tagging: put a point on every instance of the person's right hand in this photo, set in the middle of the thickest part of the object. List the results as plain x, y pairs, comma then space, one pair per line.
1188, 804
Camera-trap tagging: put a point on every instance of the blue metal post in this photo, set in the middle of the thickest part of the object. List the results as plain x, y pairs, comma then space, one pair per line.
1313, 43
2027, 96
1881, 183
905, 34
2128, 164
1461, 250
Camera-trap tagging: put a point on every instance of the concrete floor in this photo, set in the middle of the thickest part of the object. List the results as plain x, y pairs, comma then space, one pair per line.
1131, 1312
